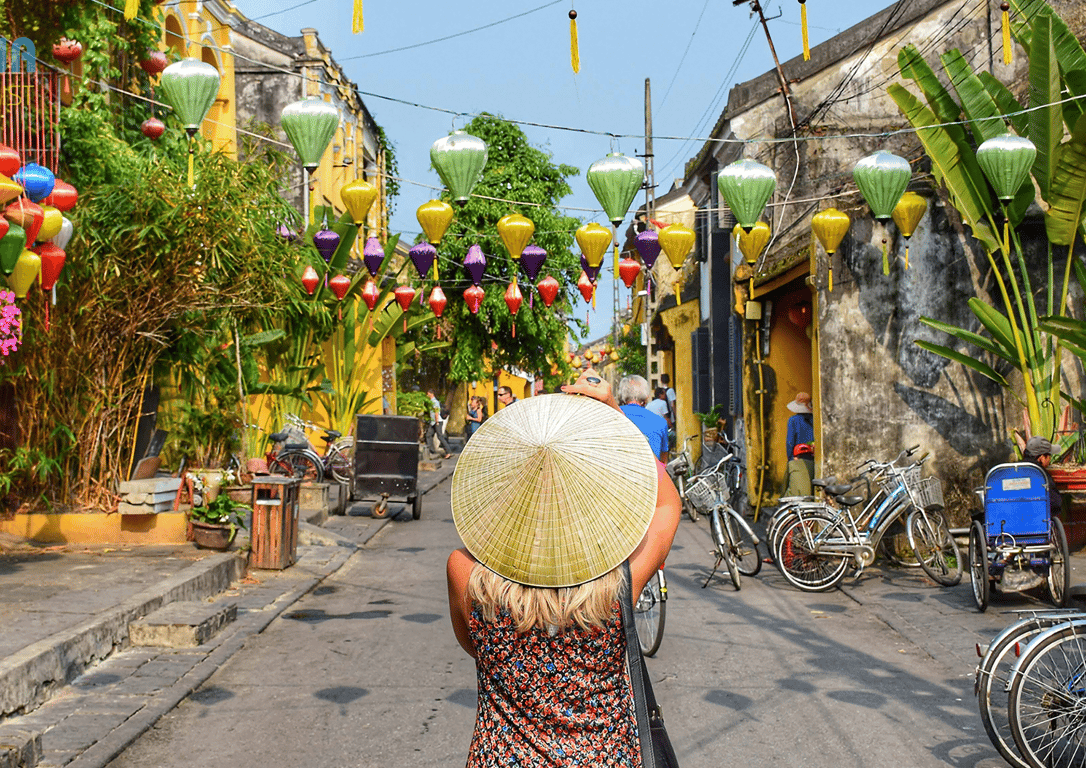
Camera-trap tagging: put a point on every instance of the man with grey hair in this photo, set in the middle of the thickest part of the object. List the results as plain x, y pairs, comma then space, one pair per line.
633, 396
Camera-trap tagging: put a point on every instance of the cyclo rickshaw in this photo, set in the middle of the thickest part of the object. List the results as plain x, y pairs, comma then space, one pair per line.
1015, 543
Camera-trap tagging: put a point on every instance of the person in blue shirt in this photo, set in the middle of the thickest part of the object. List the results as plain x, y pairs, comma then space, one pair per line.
633, 395
799, 446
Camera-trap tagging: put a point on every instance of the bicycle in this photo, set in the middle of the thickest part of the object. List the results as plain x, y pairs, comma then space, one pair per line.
650, 610
679, 468
734, 542
338, 457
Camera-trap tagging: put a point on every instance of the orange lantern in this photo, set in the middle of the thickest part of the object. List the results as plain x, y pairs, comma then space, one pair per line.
370, 294
628, 270
437, 300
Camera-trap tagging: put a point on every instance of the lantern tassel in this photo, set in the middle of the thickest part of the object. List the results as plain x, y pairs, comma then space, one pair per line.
357, 24
885, 259
1006, 24
906, 254
678, 293
803, 26
574, 48
831, 278
131, 7
514, 329
593, 295
192, 163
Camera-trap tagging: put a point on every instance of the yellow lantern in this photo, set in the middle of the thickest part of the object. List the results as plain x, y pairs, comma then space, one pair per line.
358, 197
25, 273
52, 221
435, 217
576, 363
907, 215
516, 232
830, 227
752, 243
9, 190
676, 241
593, 240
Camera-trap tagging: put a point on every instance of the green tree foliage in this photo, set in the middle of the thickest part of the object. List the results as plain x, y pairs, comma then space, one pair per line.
515, 170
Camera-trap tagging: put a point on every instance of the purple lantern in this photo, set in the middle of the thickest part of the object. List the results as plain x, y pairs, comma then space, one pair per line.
423, 256
475, 263
648, 245
283, 232
592, 272
373, 253
532, 258
326, 241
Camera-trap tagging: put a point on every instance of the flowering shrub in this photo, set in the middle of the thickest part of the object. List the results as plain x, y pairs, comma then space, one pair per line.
11, 324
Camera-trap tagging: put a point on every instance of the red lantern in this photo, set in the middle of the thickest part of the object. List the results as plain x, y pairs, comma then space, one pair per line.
52, 262
513, 298
66, 51
405, 294
63, 197
800, 314
153, 128
548, 289
628, 270
474, 298
5, 225
340, 284
10, 162
155, 62
27, 215
370, 294
585, 286
310, 279
437, 300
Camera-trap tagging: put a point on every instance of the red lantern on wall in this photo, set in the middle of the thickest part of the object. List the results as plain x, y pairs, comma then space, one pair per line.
799, 314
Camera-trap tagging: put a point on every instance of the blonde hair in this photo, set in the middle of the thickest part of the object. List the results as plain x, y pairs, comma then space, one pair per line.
588, 605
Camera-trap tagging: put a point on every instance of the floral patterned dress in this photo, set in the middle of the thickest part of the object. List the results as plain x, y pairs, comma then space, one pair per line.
552, 701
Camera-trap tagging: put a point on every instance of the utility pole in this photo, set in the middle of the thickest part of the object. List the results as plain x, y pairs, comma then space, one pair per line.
650, 212
786, 92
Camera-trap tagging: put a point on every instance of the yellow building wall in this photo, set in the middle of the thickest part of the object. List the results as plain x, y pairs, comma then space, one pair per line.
681, 321
98, 528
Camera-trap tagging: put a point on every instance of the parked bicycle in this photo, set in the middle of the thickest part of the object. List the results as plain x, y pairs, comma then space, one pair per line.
292, 455
735, 544
679, 468
650, 611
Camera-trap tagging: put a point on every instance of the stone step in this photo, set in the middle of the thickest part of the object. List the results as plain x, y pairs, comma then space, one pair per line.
182, 625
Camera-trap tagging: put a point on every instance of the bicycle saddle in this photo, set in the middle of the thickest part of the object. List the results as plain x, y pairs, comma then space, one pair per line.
850, 501
822, 482
278, 437
838, 490
331, 435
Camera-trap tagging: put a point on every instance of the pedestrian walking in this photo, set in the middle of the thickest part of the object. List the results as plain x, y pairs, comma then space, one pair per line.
474, 418
436, 426
550, 503
633, 394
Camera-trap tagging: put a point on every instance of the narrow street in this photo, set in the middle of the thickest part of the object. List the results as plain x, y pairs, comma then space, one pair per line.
364, 671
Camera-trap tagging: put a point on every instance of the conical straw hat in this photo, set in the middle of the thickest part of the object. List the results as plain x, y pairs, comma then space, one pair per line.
554, 491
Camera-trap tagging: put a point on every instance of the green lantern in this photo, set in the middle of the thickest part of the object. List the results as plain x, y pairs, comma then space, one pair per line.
746, 186
310, 125
1006, 161
615, 181
882, 179
190, 87
459, 159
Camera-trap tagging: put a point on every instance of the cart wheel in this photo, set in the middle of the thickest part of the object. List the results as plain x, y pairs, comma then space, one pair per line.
380, 509
416, 507
978, 565
1059, 570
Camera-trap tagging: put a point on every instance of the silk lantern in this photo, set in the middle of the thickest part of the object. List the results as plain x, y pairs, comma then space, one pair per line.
513, 300
60, 239
423, 256
548, 289
676, 241
615, 181
36, 180
326, 242
340, 284
190, 87
51, 222
882, 178
459, 160
370, 294
437, 301
67, 52
153, 128
1006, 161
648, 246
9, 190
25, 273
27, 215
532, 258
593, 240
475, 263
473, 297
907, 215
586, 286
358, 197
516, 232
52, 263
10, 161
63, 197
310, 279
434, 216
830, 227
11, 247
592, 272
404, 294
373, 255
310, 125
746, 186
628, 270
752, 242
155, 63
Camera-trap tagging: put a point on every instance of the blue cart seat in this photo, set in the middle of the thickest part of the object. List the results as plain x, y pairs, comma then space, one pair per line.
1016, 502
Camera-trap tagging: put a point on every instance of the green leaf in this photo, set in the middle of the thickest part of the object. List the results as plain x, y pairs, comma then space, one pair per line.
912, 66
954, 164
1068, 193
980, 108
969, 362
1008, 104
988, 345
1069, 52
995, 322
1045, 118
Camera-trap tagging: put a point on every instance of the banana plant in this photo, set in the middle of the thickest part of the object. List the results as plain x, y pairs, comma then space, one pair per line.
1015, 336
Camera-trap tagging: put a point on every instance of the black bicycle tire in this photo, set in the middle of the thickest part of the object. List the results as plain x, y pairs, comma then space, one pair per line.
747, 557
722, 542
1038, 688
655, 629
931, 535
1061, 599
289, 461
785, 559
978, 566
730, 558
339, 466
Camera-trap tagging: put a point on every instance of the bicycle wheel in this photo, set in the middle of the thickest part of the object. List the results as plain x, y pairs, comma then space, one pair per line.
298, 464
993, 680
1059, 574
935, 548
688, 506
895, 547
747, 558
797, 556
649, 612
725, 550
978, 565
1047, 699
339, 465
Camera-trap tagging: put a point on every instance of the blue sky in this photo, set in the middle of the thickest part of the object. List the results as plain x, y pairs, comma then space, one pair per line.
693, 51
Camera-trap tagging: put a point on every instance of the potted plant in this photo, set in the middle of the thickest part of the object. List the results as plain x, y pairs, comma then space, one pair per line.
216, 523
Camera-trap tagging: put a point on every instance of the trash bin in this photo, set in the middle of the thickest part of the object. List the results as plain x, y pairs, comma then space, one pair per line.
274, 535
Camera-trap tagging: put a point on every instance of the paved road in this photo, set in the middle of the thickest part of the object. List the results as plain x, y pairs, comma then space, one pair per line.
365, 671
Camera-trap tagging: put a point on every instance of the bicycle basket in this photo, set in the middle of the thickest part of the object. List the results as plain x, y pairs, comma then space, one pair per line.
928, 493
702, 494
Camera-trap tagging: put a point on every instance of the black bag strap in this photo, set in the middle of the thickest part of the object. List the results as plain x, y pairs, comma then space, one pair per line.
644, 701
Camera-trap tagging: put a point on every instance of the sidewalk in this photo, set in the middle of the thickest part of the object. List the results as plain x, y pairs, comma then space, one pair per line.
73, 692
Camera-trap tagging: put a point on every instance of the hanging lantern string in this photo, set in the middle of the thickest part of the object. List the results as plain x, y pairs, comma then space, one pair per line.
635, 136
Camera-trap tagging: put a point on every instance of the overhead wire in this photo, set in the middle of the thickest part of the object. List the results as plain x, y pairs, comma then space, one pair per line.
679, 66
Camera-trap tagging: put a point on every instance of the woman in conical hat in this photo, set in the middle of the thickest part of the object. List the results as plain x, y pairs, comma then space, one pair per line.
550, 497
